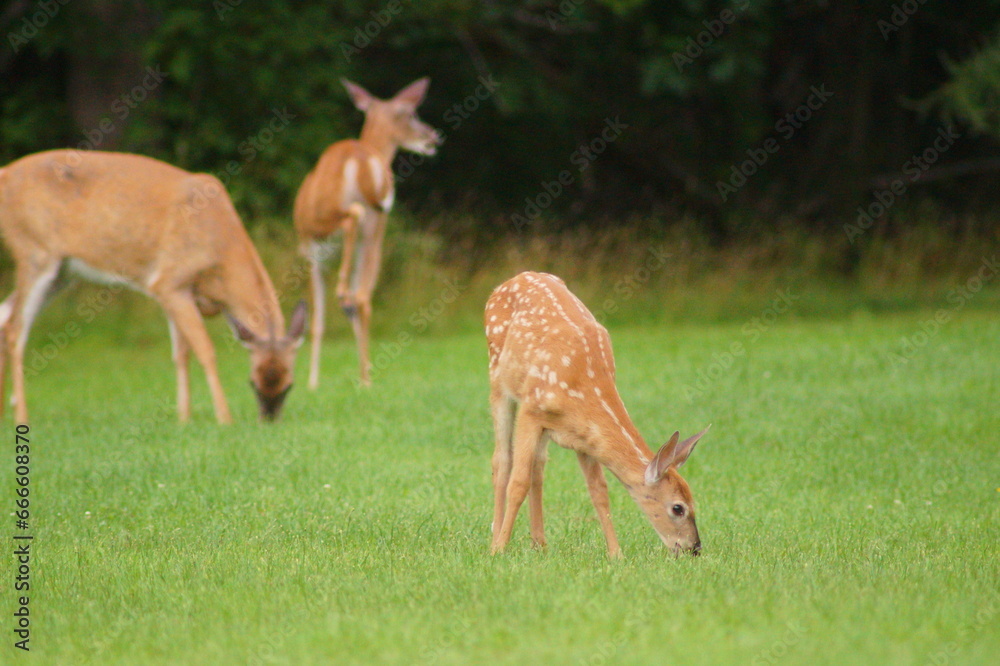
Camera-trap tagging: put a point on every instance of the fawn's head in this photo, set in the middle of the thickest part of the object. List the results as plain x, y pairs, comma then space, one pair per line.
272, 361
396, 119
666, 498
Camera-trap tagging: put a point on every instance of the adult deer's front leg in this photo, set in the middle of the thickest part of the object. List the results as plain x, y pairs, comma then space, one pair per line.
318, 288
346, 277
369, 264
181, 309
598, 487
182, 353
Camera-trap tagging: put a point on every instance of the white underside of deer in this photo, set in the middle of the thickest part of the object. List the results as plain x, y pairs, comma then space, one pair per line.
552, 376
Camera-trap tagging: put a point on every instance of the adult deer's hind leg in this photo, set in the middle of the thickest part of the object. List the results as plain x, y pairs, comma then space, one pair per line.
35, 278
6, 309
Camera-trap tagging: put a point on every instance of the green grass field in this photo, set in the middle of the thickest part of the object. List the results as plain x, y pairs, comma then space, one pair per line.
847, 498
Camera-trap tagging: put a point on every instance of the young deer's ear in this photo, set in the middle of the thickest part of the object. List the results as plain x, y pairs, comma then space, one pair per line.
685, 448
362, 98
297, 326
414, 93
241, 332
657, 467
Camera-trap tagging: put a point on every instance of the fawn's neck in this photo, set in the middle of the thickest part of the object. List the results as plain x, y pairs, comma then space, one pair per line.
619, 445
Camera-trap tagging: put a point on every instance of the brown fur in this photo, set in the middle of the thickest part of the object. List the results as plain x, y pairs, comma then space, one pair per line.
171, 234
550, 357
351, 190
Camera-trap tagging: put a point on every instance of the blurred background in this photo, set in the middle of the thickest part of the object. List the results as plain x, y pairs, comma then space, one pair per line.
850, 145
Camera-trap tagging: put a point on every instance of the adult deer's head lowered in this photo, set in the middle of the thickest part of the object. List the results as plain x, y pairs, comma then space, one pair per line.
272, 361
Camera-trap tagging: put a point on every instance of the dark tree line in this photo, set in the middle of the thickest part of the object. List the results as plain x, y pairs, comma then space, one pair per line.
735, 113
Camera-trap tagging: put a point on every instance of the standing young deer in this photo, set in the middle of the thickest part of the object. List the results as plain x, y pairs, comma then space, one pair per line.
551, 360
163, 231
352, 189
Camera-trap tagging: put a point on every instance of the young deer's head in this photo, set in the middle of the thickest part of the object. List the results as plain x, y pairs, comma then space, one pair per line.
666, 498
395, 120
272, 361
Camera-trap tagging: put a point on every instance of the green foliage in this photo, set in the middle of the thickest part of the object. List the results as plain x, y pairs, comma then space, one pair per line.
972, 95
698, 83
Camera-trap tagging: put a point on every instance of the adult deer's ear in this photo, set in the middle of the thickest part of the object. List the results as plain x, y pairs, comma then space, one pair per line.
297, 326
414, 93
362, 98
241, 332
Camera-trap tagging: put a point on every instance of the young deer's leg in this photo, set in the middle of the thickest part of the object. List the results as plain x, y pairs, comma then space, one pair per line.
366, 276
181, 352
535, 494
181, 309
33, 285
527, 436
598, 487
318, 287
503, 428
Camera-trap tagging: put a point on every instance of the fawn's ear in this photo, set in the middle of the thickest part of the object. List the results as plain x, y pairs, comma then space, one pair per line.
685, 448
297, 326
241, 332
671, 454
414, 93
657, 467
362, 98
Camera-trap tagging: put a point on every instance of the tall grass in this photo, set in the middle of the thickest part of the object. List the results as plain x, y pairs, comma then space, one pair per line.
640, 272
632, 275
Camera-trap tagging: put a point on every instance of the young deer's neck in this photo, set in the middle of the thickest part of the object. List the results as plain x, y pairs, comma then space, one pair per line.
376, 135
620, 446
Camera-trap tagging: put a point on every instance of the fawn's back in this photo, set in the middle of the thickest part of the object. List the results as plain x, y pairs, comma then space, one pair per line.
549, 353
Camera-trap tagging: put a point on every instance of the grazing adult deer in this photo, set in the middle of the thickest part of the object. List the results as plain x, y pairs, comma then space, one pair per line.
551, 360
352, 189
163, 231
